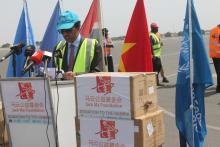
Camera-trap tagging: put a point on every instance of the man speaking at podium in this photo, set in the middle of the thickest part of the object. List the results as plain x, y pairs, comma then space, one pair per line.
76, 54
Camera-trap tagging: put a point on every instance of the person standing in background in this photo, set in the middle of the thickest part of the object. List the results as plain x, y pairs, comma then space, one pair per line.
156, 52
214, 52
165, 80
108, 45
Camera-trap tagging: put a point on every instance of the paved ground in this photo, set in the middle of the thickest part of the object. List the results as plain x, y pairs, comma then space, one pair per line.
166, 94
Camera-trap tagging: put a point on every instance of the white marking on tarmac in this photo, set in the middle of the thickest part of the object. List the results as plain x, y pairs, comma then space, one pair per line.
172, 54
173, 75
173, 116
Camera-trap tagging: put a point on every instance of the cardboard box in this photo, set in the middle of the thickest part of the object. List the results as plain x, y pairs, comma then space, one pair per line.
3, 132
150, 92
151, 130
115, 95
145, 131
106, 132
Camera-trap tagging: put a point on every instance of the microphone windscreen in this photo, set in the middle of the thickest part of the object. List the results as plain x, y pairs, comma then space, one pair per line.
29, 51
18, 46
37, 57
21, 45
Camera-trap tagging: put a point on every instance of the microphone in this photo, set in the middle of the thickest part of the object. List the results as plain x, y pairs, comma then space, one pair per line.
29, 51
36, 58
47, 55
17, 46
17, 49
46, 59
58, 52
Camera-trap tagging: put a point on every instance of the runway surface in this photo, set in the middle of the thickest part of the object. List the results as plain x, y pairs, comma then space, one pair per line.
166, 94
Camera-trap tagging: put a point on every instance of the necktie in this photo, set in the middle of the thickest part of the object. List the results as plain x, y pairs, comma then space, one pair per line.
71, 57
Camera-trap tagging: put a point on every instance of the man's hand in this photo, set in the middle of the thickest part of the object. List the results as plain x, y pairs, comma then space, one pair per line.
68, 75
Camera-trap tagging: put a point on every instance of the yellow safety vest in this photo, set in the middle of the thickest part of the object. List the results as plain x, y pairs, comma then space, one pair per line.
156, 47
84, 57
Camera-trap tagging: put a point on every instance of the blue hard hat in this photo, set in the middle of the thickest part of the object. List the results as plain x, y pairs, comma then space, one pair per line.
67, 20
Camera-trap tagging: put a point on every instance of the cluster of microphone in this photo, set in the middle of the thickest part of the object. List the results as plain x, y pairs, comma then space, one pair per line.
32, 57
36, 59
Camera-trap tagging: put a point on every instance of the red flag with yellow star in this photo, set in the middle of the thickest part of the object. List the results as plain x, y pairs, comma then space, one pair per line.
136, 52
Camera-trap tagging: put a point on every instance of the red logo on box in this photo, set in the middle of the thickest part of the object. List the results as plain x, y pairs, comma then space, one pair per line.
107, 129
103, 84
26, 91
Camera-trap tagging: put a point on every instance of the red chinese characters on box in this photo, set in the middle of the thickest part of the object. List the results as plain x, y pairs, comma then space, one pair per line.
26, 91
107, 129
103, 84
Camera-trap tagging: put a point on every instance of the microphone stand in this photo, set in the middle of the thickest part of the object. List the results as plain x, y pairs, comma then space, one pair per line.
26, 63
31, 72
29, 51
17, 51
14, 64
45, 67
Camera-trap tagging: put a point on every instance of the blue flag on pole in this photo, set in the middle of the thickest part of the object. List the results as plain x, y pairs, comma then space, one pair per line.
24, 34
52, 36
192, 87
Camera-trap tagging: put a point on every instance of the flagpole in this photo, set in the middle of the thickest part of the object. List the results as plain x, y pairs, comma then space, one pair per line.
26, 21
101, 37
61, 5
191, 66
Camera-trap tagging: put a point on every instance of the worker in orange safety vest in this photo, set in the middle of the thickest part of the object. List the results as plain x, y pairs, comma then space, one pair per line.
108, 45
214, 52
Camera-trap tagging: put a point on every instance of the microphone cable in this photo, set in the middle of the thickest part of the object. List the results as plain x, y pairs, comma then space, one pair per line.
48, 119
58, 97
57, 72
57, 89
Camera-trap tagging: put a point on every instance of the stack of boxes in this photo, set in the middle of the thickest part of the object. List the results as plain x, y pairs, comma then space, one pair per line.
118, 110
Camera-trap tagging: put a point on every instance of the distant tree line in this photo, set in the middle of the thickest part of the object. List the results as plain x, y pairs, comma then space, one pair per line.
180, 33
167, 34
7, 45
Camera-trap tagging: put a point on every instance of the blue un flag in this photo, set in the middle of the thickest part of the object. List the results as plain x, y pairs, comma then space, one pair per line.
24, 34
200, 79
52, 36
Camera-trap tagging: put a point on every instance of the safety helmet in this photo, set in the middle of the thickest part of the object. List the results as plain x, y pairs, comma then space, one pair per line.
67, 20
154, 25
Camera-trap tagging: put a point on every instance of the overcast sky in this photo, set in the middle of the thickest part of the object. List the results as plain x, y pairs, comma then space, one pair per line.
116, 14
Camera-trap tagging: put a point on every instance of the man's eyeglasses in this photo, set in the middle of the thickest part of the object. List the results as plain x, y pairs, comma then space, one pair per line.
65, 31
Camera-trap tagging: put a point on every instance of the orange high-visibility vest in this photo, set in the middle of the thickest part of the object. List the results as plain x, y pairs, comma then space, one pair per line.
214, 43
107, 48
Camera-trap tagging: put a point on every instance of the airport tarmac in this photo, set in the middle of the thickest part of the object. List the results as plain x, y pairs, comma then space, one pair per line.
166, 94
